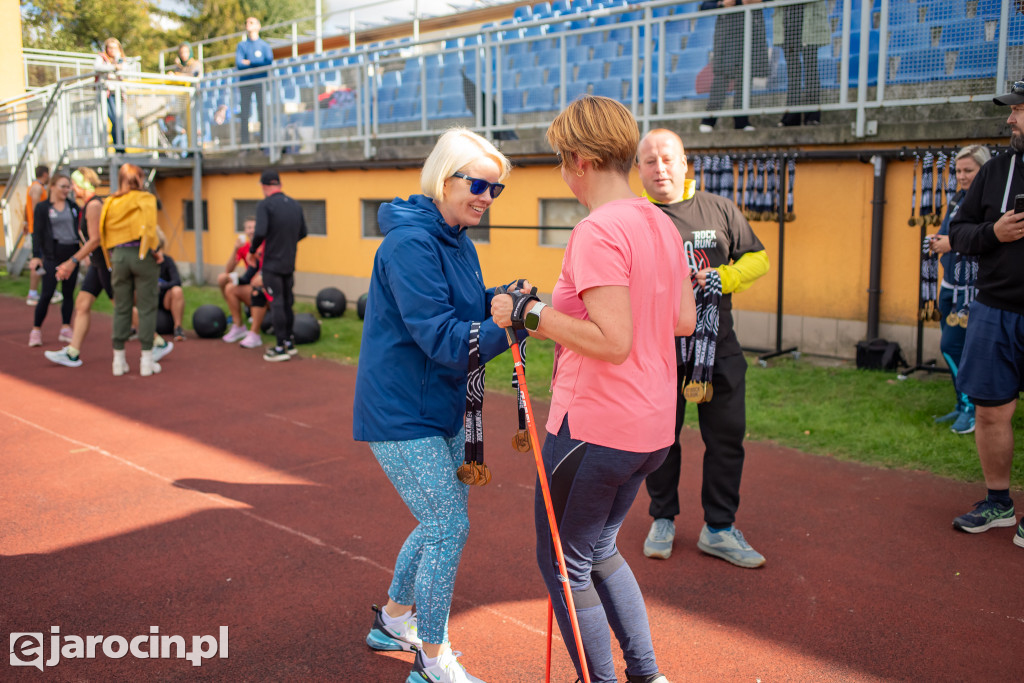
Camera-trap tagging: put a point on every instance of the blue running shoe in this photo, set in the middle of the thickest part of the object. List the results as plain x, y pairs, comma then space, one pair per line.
949, 417
964, 423
396, 637
729, 545
1018, 538
984, 516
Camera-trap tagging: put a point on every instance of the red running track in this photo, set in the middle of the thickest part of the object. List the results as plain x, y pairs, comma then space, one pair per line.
228, 492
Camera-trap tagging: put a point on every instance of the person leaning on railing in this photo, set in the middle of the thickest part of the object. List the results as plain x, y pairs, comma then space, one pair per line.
112, 61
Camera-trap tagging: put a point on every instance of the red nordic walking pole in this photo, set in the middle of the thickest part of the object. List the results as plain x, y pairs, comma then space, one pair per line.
546, 492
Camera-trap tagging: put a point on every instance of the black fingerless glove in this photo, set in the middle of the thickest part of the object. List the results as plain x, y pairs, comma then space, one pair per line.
521, 303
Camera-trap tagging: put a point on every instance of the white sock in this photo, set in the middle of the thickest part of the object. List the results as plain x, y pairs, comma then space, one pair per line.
428, 661
33, 292
389, 620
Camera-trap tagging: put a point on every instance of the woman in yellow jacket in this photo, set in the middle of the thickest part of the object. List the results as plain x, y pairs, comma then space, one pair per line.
128, 234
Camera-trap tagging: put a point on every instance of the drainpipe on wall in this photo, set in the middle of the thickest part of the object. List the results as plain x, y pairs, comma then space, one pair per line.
877, 215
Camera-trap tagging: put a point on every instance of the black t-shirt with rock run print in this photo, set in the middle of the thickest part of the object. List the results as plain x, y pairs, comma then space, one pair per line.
719, 234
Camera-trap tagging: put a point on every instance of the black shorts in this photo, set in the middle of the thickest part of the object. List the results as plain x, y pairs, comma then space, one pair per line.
97, 278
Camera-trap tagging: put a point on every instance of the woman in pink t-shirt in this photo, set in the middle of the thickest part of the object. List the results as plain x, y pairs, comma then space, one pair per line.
617, 307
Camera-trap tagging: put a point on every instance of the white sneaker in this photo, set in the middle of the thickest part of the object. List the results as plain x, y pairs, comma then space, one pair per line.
57, 297
236, 333
161, 351
445, 670
62, 358
748, 127
398, 635
705, 128
32, 299
252, 341
659, 539
148, 365
120, 363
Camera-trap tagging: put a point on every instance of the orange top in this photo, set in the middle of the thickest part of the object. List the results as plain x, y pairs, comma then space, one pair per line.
29, 207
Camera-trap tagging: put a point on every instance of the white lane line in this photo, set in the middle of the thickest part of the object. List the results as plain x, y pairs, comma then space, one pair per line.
226, 502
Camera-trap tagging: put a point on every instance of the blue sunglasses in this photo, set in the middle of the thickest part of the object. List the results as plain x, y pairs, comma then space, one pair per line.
479, 185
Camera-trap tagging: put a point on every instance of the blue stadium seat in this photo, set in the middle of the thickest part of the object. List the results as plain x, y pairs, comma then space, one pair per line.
406, 110
918, 66
512, 100
976, 61
591, 71
574, 90
523, 13
681, 85
700, 39
620, 68
989, 9
577, 54
530, 78
961, 32
608, 87
908, 39
605, 51
943, 10
540, 98
453, 106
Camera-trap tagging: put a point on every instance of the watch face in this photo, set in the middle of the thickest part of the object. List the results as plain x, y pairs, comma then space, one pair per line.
531, 321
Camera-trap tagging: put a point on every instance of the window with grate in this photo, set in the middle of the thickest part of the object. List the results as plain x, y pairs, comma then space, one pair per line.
559, 213
189, 219
315, 211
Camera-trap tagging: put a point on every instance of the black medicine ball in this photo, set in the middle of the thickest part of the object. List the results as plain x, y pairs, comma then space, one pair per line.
267, 326
361, 306
306, 328
331, 302
209, 321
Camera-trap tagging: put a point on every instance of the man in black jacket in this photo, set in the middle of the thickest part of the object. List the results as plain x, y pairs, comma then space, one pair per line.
281, 224
992, 364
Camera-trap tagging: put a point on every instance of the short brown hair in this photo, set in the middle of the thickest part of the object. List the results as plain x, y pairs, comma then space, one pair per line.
596, 129
129, 177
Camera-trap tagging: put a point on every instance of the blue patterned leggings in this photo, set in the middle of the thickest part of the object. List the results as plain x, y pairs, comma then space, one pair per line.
423, 473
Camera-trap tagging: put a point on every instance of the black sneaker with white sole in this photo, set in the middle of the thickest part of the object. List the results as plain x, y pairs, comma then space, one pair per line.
275, 354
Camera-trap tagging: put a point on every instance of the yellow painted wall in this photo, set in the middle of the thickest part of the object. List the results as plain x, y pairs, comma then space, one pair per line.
827, 257
12, 76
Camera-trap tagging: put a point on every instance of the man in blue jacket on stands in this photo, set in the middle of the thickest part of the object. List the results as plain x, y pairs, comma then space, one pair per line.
252, 53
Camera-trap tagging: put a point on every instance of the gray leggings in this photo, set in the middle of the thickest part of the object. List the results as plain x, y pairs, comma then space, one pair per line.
592, 489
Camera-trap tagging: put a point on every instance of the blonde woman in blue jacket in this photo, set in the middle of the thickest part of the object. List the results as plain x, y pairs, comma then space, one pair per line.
426, 291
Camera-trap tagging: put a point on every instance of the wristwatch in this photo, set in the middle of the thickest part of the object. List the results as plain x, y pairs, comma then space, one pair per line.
74, 260
531, 320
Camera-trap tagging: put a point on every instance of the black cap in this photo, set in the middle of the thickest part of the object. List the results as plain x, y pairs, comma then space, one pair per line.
1015, 96
270, 177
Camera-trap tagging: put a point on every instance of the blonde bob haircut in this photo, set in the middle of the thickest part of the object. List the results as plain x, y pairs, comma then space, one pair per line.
979, 153
456, 149
596, 129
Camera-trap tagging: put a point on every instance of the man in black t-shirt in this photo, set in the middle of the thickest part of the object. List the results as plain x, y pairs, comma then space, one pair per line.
992, 364
281, 224
719, 238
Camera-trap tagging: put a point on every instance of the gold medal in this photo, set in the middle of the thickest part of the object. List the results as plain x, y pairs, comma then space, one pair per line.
952, 319
694, 392
467, 473
962, 318
521, 441
708, 392
936, 314
483, 474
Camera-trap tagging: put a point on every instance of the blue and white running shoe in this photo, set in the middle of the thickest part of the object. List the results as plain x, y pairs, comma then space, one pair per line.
401, 636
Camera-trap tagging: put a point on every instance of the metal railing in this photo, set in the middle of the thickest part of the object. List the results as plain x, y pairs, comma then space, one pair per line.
654, 57
70, 121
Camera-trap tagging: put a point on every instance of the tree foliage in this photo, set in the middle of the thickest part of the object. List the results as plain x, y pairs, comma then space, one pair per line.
145, 28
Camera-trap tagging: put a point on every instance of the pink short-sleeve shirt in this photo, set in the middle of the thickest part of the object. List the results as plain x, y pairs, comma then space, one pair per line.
631, 407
